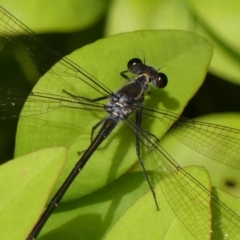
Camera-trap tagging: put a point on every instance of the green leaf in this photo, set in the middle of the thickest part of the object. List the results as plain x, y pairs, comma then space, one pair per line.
142, 222
71, 127
57, 16
26, 183
99, 210
226, 225
133, 15
220, 27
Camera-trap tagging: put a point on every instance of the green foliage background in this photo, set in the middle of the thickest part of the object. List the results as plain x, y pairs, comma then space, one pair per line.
69, 25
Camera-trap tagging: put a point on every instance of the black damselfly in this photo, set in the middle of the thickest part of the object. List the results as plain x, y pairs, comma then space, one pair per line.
122, 103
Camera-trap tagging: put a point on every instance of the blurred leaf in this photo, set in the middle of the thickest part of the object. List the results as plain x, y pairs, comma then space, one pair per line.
56, 16
26, 183
217, 21
221, 27
133, 15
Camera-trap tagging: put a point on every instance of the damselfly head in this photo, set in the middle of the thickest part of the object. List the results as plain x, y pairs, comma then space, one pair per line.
158, 79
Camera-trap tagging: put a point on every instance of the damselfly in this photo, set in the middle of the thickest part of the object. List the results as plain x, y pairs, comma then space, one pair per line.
200, 136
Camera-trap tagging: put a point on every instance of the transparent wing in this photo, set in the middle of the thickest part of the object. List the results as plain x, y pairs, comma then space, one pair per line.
201, 137
30, 50
12, 101
189, 199
217, 142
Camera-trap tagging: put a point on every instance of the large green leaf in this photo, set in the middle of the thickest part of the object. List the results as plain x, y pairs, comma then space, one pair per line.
174, 51
171, 50
26, 183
